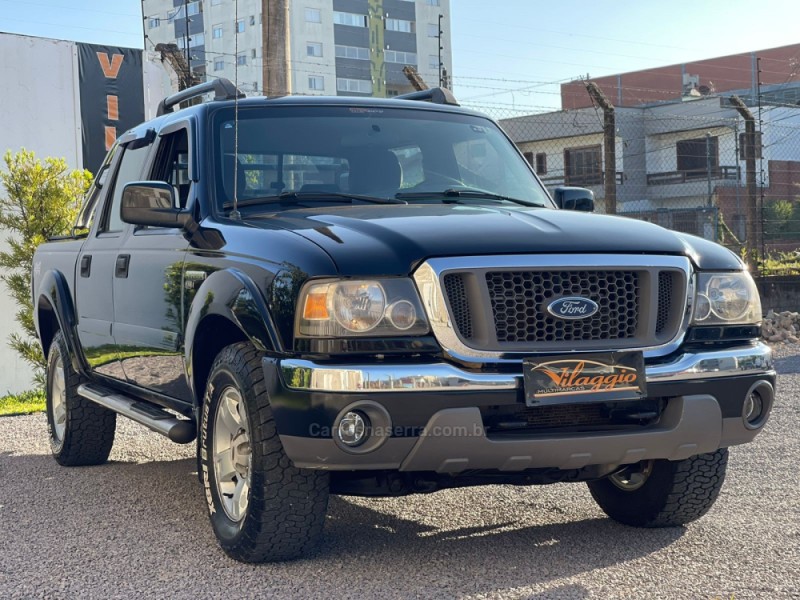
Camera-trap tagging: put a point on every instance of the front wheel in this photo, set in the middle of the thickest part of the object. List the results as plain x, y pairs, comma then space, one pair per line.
262, 508
662, 493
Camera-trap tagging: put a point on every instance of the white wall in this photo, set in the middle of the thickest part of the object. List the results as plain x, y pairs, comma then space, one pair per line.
40, 111
302, 65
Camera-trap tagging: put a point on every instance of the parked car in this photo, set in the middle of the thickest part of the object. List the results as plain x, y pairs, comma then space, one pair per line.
378, 297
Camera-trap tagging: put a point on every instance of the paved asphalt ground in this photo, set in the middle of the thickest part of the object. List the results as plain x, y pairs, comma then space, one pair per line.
137, 527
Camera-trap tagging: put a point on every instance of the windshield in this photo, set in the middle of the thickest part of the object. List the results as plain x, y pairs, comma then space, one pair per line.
369, 151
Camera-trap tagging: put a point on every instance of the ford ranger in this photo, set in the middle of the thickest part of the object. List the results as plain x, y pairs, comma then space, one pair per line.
378, 297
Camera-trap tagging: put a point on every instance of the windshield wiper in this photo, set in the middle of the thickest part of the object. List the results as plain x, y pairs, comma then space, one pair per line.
455, 193
289, 197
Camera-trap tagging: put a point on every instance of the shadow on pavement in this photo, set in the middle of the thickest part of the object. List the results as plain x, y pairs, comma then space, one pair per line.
118, 523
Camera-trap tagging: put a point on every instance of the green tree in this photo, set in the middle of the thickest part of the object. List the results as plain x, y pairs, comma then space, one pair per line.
41, 199
777, 218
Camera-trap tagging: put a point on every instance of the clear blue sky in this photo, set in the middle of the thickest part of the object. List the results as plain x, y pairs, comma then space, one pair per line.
519, 45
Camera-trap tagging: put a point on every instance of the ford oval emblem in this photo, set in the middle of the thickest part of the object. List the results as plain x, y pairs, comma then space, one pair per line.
573, 307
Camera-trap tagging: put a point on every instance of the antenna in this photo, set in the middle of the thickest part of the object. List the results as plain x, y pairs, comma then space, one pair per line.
235, 212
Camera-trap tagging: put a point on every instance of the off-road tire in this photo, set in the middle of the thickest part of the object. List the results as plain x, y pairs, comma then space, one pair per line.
675, 493
285, 513
88, 428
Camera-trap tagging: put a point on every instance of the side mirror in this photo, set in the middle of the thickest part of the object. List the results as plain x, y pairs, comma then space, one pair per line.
152, 203
574, 198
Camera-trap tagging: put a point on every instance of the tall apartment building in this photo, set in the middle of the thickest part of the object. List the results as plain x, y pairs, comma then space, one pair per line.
335, 47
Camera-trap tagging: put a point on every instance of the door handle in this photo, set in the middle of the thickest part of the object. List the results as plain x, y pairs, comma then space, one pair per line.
121, 267
86, 265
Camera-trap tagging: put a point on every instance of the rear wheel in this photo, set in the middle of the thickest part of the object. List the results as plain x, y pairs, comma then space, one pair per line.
662, 493
81, 432
261, 507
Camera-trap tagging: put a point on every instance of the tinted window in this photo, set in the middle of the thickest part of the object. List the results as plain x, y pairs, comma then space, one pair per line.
365, 150
130, 169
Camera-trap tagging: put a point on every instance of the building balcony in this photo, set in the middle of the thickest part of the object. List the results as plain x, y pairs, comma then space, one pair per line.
587, 180
676, 177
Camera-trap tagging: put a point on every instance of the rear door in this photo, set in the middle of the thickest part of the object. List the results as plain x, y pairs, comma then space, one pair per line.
149, 291
94, 295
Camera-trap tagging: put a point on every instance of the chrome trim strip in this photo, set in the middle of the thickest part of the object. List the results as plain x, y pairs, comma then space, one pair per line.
753, 359
436, 377
748, 360
428, 278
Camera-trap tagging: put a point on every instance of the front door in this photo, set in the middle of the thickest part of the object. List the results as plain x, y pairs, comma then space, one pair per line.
149, 292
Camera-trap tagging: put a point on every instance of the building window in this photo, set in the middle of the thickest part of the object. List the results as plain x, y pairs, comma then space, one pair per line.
313, 15
400, 25
353, 52
154, 23
351, 19
316, 82
583, 165
433, 62
241, 59
240, 26
194, 8
216, 32
360, 86
433, 30
254, 53
219, 64
537, 161
433, 2
541, 163
197, 39
314, 49
743, 150
696, 155
403, 58
252, 20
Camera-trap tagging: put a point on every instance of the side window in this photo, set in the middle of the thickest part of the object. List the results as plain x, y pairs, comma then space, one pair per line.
172, 165
130, 169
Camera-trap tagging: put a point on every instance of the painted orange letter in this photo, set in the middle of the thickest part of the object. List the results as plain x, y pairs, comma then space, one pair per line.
112, 107
110, 68
111, 136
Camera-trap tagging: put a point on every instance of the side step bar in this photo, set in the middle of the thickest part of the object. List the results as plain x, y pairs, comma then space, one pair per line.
180, 431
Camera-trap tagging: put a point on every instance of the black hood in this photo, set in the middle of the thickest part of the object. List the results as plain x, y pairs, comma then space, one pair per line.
393, 239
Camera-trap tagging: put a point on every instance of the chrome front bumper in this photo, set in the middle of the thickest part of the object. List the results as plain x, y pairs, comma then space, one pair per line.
750, 359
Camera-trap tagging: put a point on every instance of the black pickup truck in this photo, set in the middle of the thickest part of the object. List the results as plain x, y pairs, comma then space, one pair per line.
378, 297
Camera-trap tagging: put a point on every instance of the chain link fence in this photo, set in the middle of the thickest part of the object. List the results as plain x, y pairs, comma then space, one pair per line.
681, 165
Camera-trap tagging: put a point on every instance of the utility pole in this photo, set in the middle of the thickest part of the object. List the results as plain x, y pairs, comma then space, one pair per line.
275, 47
708, 167
609, 146
441, 81
749, 151
414, 78
186, 34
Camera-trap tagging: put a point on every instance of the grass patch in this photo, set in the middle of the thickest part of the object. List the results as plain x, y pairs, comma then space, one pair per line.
22, 404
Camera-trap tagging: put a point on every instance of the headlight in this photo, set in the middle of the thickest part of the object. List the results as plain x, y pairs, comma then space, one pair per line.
726, 299
360, 307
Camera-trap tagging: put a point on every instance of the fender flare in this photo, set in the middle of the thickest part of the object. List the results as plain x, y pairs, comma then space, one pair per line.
54, 289
231, 294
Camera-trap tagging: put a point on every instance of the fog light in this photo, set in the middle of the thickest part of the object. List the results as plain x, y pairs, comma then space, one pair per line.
753, 407
353, 428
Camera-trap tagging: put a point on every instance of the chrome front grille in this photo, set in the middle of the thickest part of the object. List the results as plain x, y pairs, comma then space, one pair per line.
495, 308
519, 305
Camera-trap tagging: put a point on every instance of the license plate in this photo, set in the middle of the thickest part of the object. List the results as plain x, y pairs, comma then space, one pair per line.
595, 377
